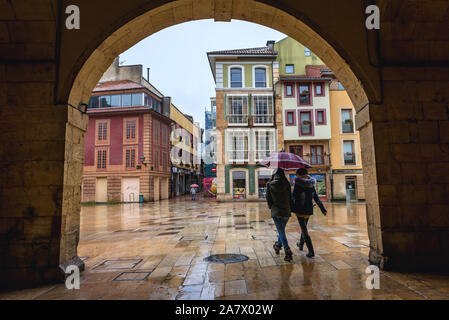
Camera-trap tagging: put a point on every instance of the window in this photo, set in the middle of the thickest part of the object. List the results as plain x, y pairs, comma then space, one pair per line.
305, 98
340, 86
102, 155
307, 52
236, 78
260, 75
305, 124
319, 89
164, 134
156, 131
348, 149
164, 160
289, 91
298, 150
316, 155
321, 117
116, 101
130, 158
130, 130
102, 131
136, 99
105, 102
290, 118
237, 144
347, 121
156, 105
262, 109
290, 68
238, 110
147, 100
265, 142
126, 100
156, 160
94, 102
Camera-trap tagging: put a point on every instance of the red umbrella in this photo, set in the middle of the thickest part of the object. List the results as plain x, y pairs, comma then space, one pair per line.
284, 160
194, 186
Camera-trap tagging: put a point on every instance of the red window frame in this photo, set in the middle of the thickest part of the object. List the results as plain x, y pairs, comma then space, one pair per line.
316, 156
130, 130
319, 84
101, 159
156, 160
292, 84
102, 132
130, 158
309, 84
287, 123
324, 122
312, 125
294, 148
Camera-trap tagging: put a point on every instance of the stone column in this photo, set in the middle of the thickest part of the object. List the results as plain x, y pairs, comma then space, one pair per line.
406, 171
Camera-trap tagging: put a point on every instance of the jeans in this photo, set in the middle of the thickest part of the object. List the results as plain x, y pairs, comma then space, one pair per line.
281, 223
193, 196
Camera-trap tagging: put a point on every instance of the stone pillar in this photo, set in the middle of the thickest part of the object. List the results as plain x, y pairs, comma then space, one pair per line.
406, 172
41, 156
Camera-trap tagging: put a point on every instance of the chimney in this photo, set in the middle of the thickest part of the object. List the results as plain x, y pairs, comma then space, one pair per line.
270, 44
148, 74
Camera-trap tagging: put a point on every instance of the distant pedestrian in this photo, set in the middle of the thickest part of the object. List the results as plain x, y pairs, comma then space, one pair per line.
279, 199
304, 193
193, 192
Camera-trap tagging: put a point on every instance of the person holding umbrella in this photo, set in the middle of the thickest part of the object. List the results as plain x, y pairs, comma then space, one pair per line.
279, 199
303, 194
279, 195
193, 191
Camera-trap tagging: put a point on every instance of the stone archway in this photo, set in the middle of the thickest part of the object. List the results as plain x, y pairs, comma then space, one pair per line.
168, 15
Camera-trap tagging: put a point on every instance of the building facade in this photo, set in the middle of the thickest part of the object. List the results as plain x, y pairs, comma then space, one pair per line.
127, 142
246, 123
347, 175
304, 95
185, 155
210, 144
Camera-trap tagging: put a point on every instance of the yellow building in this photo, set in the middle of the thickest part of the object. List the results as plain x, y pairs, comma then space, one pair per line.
185, 152
346, 161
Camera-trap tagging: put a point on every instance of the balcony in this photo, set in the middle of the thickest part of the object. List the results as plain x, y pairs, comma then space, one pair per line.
349, 159
317, 160
238, 156
264, 119
348, 127
238, 119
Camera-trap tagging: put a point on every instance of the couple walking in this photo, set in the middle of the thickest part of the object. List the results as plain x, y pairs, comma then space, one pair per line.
282, 203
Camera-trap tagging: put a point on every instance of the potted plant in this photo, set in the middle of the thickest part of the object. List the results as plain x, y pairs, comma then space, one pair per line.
306, 122
348, 121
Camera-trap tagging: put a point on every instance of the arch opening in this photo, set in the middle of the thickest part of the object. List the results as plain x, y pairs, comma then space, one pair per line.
133, 31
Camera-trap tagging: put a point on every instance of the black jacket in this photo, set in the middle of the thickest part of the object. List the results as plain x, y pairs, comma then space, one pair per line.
304, 194
279, 197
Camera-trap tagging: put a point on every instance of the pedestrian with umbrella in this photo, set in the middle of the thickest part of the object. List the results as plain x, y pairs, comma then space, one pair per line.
279, 195
193, 191
304, 193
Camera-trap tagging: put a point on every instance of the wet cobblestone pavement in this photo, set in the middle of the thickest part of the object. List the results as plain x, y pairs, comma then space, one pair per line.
157, 251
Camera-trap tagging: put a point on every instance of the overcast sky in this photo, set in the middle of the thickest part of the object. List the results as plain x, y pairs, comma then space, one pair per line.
178, 61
